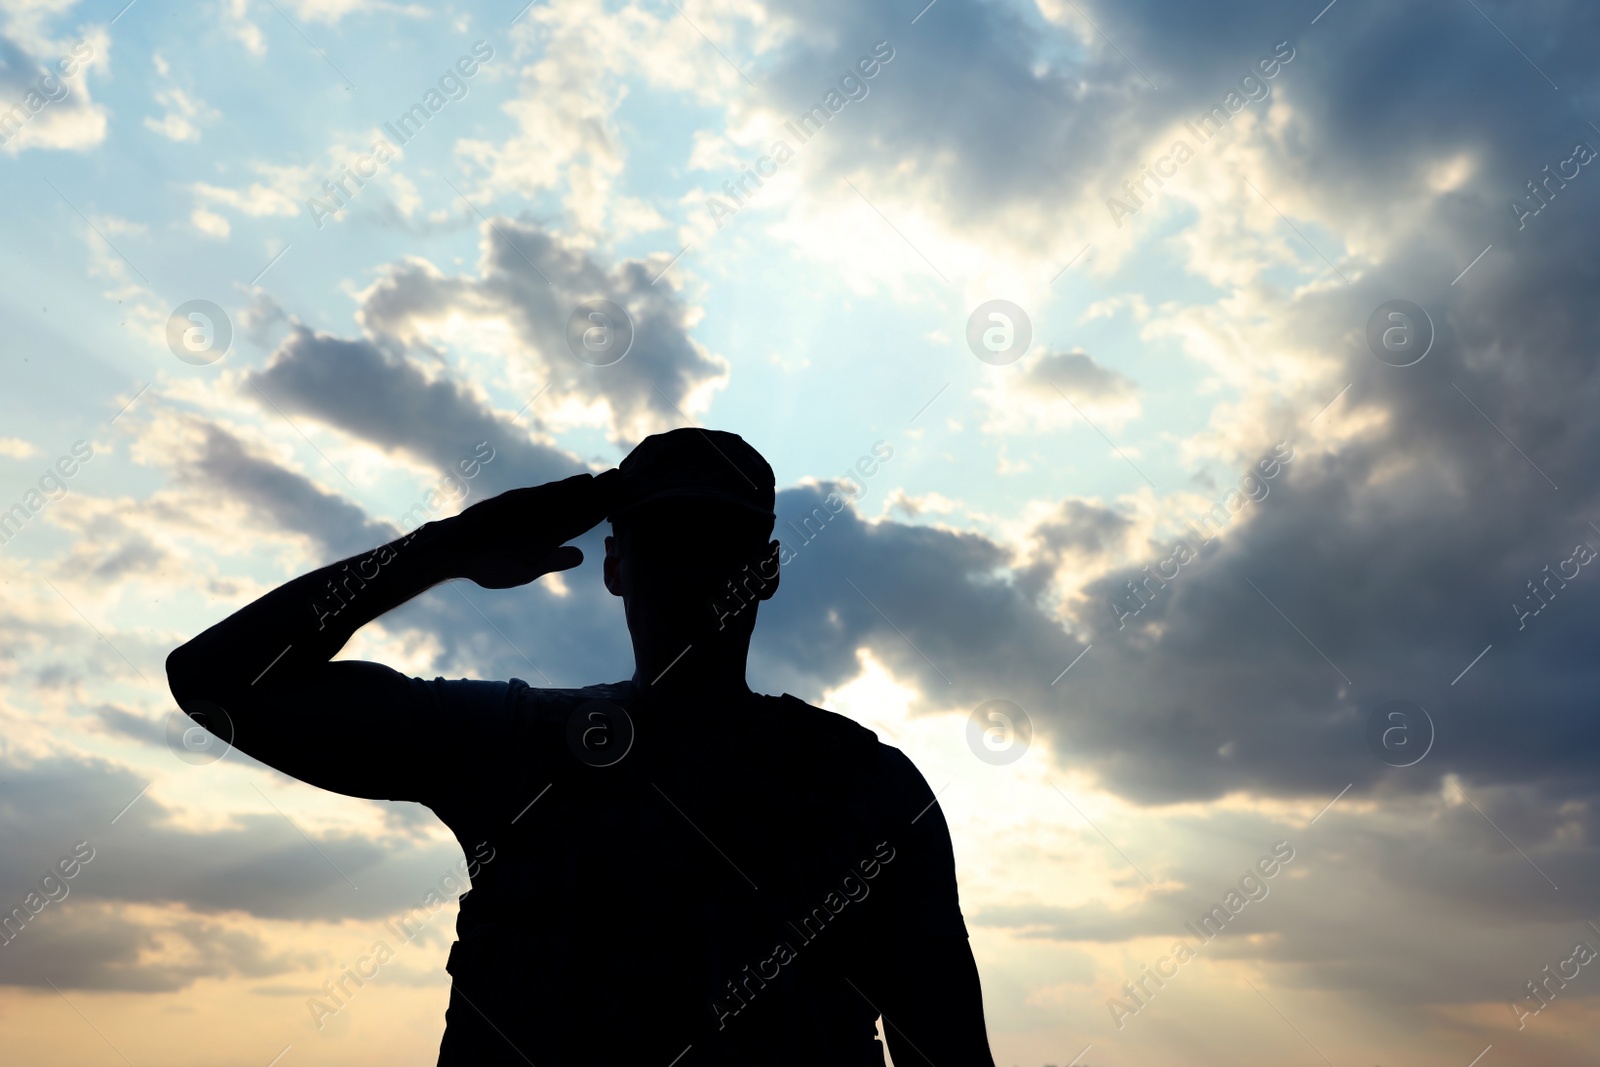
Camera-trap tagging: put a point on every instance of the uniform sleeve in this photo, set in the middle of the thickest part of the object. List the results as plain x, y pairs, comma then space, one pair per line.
468, 732
365, 730
920, 876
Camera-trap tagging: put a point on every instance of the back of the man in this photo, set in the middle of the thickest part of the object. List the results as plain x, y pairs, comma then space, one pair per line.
712, 885
752, 881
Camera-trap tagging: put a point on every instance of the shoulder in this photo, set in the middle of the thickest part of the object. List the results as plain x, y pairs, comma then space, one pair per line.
885, 773
816, 730
822, 738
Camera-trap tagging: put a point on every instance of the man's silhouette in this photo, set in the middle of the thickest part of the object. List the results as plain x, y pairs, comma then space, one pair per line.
682, 871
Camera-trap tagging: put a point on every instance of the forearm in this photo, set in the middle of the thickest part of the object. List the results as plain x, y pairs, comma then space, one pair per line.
306, 621
261, 679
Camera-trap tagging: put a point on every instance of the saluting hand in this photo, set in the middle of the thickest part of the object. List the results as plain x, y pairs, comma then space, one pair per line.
519, 535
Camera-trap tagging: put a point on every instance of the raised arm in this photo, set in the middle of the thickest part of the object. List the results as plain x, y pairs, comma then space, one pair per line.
266, 666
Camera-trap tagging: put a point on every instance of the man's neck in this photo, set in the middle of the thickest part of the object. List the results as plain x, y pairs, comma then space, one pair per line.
677, 686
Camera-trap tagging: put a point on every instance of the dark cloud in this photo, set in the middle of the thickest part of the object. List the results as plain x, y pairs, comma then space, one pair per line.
129, 724
938, 98
1077, 375
88, 946
259, 865
1380, 571
138, 555
932, 603
1396, 557
531, 633
279, 496
532, 283
1086, 116
388, 401
1079, 527
1412, 903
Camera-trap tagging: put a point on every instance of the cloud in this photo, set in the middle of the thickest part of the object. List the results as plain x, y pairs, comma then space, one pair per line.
513, 317
1399, 541
184, 113
244, 29
1067, 544
931, 603
277, 194
228, 494
1078, 376
567, 136
44, 93
390, 402
1054, 390
1487, 922
255, 863
103, 947
280, 498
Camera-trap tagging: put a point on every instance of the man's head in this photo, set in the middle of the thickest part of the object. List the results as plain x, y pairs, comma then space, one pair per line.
691, 551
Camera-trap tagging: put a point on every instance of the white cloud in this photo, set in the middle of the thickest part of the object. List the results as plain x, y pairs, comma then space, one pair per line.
17, 448
184, 113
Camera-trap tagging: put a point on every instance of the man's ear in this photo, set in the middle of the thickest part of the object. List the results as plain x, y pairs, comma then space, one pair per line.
608, 568
770, 569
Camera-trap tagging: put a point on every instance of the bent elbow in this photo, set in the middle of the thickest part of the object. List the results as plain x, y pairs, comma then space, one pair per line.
187, 679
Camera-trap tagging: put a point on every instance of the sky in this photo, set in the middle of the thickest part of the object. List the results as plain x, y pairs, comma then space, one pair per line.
1210, 387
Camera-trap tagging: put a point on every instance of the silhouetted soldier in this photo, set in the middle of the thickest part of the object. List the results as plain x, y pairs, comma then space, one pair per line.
684, 872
